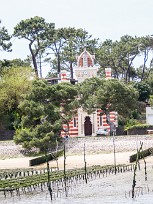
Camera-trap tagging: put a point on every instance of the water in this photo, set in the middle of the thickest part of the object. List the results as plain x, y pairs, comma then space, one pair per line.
81, 199
113, 189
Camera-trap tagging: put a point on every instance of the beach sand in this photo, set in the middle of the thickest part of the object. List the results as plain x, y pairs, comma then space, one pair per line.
99, 151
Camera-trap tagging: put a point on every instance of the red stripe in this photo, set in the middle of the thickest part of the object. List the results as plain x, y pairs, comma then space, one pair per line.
99, 111
74, 134
105, 124
70, 122
74, 129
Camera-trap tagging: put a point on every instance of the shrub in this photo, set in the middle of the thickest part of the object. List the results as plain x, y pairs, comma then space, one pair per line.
138, 125
142, 154
42, 159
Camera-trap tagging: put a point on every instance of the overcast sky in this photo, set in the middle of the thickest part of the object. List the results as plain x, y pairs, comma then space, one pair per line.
104, 19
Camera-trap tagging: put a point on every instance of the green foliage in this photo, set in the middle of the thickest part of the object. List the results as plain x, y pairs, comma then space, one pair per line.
66, 43
121, 121
88, 93
138, 125
43, 112
14, 63
32, 29
5, 43
133, 120
149, 79
35, 30
14, 82
118, 96
135, 114
151, 100
144, 90
132, 123
142, 154
42, 159
119, 55
112, 95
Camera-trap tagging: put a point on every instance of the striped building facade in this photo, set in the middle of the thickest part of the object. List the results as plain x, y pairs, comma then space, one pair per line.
83, 124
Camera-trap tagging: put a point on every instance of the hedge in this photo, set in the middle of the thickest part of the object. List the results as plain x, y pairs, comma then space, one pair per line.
42, 159
142, 154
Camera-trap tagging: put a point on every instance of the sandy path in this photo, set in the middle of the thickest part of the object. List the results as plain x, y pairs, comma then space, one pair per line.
99, 151
97, 159
15, 163
76, 161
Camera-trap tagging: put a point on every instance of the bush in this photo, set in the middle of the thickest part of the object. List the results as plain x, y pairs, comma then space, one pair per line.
138, 126
139, 129
142, 154
42, 159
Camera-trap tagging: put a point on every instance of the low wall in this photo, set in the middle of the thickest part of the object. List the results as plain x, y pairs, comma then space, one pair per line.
120, 131
139, 130
6, 135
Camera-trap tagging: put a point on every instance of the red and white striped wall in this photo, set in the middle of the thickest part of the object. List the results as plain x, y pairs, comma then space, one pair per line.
72, 129
101, 123
101, 119
108, 73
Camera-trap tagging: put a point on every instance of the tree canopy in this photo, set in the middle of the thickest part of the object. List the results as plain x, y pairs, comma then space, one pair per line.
35, 30
59, 48
107, 95
121, 56
144, 90
43, 112
112, 95
5, 43
15, 82
65, 44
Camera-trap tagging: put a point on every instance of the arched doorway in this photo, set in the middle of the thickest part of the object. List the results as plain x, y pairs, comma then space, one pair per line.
87, 126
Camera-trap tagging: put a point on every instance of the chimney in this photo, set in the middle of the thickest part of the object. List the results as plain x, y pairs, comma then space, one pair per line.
108, 73
63, 75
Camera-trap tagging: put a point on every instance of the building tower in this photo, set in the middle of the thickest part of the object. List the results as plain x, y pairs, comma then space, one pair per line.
83, 124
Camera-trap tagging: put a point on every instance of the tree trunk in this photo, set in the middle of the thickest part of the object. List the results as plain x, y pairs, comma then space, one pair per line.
34, 61
71, 70
58, 63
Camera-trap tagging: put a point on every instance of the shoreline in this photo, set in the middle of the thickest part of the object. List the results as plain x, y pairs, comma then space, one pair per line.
99, 151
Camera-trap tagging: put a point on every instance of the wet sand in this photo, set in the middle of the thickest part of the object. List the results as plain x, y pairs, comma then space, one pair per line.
113, 189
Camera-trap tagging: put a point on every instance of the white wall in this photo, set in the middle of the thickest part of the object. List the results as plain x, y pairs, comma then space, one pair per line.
149, 115
81, 119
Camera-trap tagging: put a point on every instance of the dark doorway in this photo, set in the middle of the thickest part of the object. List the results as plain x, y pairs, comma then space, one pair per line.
87, 127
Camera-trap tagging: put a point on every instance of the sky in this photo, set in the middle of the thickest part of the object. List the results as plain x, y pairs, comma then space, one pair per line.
103, 19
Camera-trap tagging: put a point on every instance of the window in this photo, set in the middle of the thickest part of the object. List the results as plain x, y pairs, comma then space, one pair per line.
100, 121
74, 122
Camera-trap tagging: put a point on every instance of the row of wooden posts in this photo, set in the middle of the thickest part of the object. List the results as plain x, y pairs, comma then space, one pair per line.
66, 183
24, 173
138, 191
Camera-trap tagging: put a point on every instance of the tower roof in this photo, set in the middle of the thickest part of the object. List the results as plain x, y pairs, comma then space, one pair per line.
85, 59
